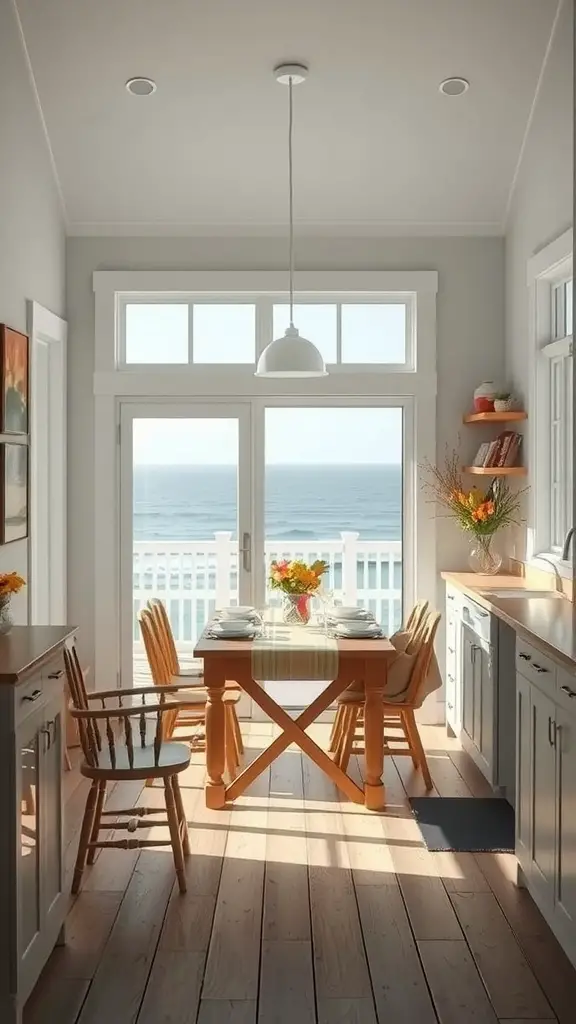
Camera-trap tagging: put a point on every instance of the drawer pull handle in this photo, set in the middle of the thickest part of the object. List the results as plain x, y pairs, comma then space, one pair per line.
451, 706
450, 597
566, 689
56, 675
451, 650
551, 728
33, 696
539, 668
525, 657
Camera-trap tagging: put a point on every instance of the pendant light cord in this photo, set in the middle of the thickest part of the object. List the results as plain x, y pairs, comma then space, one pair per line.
291, 199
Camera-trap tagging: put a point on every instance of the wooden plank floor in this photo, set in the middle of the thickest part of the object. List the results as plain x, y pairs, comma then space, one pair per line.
303, 907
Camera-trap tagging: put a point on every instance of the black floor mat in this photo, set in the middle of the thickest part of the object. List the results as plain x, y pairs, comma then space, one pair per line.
465, 825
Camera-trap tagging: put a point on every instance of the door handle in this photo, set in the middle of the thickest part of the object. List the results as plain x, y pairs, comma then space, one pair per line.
246, 552
551, 731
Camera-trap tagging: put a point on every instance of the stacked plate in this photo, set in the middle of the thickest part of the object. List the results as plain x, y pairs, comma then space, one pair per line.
353, 623
233, 629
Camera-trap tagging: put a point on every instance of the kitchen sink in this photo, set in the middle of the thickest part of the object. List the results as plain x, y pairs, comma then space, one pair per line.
518, 592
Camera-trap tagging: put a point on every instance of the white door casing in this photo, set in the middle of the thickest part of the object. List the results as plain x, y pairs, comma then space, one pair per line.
48, 484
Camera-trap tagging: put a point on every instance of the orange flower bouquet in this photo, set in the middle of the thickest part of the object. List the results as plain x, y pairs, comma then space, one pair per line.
481, 514
298, 581
10, 583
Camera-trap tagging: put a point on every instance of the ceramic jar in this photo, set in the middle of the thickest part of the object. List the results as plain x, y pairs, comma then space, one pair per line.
484, 396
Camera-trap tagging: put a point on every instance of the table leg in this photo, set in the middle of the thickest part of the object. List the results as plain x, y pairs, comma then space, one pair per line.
374, 682
215, 789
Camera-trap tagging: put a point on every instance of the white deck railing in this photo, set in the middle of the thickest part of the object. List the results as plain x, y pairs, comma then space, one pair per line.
195, 577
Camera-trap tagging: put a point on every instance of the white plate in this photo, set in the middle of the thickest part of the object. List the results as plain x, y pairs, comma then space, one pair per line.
241, 611
232, 628
344, 612
354, 630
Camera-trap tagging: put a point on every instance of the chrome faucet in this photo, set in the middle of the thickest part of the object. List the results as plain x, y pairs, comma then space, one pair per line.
567, 542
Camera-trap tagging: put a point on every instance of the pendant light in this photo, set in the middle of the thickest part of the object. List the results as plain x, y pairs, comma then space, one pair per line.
292, 355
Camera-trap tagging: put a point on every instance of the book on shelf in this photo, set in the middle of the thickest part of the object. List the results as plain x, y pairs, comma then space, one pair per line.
506, 440
481, 454
513, 454
492, 453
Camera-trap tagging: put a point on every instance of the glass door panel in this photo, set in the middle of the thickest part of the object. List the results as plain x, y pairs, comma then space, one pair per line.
187, 513
333, 490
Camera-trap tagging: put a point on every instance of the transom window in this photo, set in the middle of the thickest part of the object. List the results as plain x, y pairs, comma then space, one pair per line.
554, 398
164, 331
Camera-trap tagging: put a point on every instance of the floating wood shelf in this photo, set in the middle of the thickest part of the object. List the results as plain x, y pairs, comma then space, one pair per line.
496, 470
495, 417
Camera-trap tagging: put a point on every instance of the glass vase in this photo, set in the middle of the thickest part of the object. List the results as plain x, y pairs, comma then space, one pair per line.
6, 620
296, 609
483, 558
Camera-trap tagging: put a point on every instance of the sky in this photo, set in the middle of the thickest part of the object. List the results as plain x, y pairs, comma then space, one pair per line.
294, 436
225, 332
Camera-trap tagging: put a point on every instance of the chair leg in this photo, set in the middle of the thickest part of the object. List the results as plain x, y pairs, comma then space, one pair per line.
181, 815
175, 836
230, 744
348, 739
97, 817
237, 733
406, 729
336, 729
67, 761
416, 747
85, 833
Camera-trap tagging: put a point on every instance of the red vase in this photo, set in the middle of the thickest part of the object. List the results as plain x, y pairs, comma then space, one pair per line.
297, 609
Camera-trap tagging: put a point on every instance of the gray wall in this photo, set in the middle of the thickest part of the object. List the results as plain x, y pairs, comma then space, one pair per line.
542, 203
470, 344
32, 241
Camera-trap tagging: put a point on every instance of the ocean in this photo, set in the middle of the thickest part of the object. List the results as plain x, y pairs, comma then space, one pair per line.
301, 502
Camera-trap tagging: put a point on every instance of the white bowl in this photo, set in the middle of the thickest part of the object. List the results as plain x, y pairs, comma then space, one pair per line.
240, 611
233, 627
342, 612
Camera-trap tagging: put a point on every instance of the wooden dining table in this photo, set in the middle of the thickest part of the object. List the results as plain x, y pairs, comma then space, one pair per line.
231, 661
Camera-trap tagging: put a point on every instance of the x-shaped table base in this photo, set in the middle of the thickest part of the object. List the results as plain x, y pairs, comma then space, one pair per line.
373, 673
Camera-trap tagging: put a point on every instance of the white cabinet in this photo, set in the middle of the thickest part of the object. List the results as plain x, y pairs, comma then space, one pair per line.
546, 788
31, 863
543, 778
477, 689
453, 661
566, 804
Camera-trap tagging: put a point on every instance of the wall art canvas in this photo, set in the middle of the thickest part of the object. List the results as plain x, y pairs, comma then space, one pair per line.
13, 492
14, 381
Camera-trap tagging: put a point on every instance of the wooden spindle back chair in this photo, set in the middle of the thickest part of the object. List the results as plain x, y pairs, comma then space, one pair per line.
122, 736
401, 736
194, 712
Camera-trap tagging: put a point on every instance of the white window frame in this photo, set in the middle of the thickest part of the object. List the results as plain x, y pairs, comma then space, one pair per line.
114, 387
547, 269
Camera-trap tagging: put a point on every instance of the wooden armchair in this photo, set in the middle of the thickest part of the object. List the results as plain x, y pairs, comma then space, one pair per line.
401, 737
122, 734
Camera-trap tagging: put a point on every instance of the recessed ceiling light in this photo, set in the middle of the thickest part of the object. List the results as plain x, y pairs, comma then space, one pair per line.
454, 86
141, 86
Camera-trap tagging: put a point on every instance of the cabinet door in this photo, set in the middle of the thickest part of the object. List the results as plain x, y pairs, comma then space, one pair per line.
566, 828
453, 681
523, 774
51, 803
543, 780
469, 646
485, 741
28, 768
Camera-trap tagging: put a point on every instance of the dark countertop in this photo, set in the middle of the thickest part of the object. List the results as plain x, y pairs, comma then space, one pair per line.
25, 646
548, 621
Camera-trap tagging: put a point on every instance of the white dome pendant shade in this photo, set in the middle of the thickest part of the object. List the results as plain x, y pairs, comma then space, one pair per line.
291, 356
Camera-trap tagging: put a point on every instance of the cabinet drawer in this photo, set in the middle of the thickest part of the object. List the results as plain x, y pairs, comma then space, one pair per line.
535, 666
566, 690
29, 696
453, 600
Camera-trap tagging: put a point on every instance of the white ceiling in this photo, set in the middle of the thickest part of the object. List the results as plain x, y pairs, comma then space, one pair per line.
377, 146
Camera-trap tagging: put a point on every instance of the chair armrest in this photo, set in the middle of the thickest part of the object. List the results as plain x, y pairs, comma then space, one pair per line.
137, 690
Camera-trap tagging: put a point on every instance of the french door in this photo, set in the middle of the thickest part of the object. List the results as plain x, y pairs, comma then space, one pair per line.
186, 519
212, 492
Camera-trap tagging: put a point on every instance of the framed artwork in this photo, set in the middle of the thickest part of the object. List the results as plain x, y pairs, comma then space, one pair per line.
13, 381
13, 492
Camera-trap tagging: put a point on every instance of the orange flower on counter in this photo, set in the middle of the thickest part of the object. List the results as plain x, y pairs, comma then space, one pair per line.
10, 583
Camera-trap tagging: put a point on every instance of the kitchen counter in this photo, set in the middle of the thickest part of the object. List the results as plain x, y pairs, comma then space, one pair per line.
25, 647
551, 621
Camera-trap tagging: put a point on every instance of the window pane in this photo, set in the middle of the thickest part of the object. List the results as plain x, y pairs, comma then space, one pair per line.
374, 333
558, 311
224, 333
156, 333
315, 321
